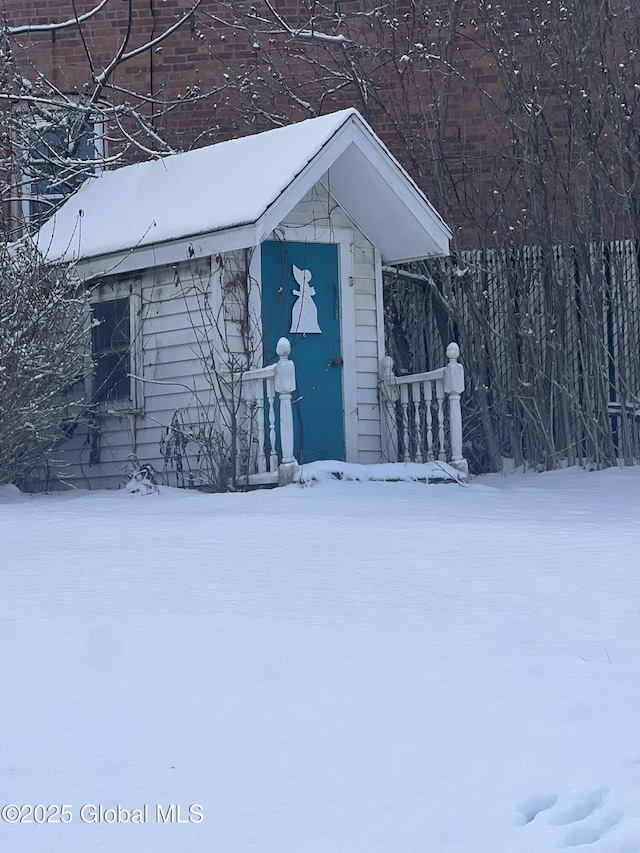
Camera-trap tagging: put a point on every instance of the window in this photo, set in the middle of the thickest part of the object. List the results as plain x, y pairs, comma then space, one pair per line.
62, 153
116, 343
111, 350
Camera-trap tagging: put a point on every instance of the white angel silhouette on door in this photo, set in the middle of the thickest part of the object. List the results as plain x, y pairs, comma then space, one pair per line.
304, 314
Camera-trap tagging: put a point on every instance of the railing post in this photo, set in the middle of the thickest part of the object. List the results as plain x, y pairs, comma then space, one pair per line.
273, 453
453, 388
257, 406
285, 385
440, 395
388, 397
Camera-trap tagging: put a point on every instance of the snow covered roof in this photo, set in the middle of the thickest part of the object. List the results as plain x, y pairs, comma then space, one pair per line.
238, 191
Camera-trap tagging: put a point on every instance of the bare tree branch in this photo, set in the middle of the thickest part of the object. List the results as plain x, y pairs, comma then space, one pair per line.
46, 28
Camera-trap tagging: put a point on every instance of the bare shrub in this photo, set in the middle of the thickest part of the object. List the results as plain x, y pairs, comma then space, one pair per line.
43, 359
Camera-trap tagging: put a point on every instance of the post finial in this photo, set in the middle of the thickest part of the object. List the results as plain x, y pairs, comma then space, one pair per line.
283, 348
453, 351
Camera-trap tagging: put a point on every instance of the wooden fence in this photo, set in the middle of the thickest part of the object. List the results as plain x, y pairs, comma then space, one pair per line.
550, 340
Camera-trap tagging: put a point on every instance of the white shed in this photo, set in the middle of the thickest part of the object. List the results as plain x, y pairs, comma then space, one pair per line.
200, 263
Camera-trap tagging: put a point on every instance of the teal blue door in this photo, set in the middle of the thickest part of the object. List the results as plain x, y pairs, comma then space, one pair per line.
301, 302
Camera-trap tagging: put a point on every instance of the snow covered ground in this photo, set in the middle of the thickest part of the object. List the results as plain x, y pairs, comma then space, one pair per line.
351, 667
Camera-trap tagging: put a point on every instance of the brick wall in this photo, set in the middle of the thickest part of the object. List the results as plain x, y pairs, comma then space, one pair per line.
452, 120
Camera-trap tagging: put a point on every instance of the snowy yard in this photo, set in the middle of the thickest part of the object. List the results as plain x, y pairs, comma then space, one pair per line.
343, 668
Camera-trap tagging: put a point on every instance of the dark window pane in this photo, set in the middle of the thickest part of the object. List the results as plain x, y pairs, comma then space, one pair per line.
113, 329
111, 377
57, 159
41, 209
111, 350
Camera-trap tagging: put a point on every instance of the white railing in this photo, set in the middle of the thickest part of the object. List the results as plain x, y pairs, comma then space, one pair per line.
257, 386
419, 426
415, 416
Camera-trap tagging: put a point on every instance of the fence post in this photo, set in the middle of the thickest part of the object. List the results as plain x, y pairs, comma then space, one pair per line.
453, 388
285, 385
388, 397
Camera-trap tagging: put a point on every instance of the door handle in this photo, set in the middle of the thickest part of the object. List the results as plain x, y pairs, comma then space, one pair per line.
335, 361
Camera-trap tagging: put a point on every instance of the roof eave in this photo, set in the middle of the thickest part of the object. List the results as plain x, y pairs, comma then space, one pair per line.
166, 253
